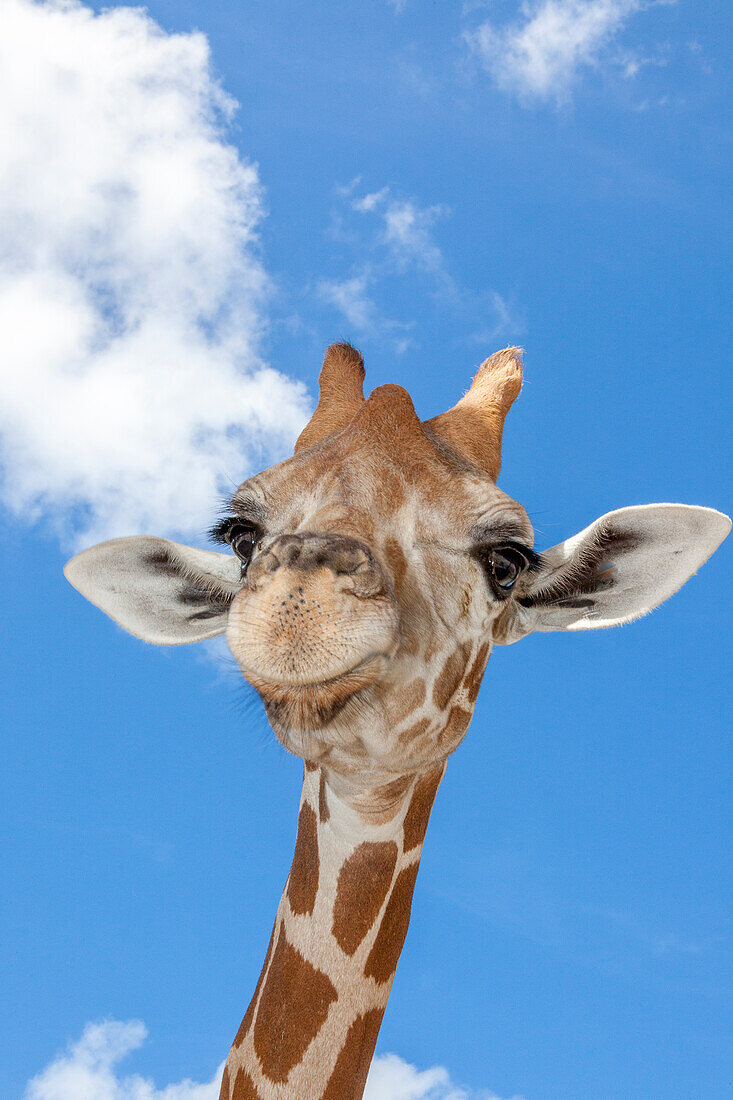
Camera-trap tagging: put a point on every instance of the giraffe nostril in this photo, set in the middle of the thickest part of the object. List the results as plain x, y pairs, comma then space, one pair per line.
341, 555
348, 564
289, 550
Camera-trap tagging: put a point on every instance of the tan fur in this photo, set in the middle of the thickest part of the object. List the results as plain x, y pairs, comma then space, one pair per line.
364, 617
362, 622
474, 426
341, 379
312, 1025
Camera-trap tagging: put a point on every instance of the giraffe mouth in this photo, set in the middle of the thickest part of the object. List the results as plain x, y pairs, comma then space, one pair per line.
311, 705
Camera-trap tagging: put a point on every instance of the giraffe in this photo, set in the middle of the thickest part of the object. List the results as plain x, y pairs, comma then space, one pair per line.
365, 581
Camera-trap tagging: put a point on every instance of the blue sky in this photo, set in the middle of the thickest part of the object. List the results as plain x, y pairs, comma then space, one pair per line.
431, 182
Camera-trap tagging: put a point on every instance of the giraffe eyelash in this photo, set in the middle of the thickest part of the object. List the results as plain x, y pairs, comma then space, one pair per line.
221, 531
534, 560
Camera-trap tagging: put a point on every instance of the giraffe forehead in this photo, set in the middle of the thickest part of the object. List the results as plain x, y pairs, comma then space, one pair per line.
363, 488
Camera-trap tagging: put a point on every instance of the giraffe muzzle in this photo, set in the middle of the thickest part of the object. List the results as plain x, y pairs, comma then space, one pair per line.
313, 621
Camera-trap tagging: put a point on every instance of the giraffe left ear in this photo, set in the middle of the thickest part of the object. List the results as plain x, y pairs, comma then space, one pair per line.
158, 590
618, 569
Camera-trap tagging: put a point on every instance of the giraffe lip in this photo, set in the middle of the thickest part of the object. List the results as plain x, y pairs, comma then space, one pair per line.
310, 707
354, 678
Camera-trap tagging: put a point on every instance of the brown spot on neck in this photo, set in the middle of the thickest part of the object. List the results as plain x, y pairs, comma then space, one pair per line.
413, 732
292, 1010
323, 811
363, 883
455, 728
384, 955
303, 881
476, 673
348, 1080
383, 803
244, 1088
249, 1014
450, 676
421, 803
406, 700
375, 805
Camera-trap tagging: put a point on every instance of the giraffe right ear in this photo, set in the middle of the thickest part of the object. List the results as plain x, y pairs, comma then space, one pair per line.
160, 591
618, 569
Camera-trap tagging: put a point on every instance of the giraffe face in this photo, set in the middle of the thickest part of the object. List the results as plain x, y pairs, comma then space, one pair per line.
366, 608
382, 562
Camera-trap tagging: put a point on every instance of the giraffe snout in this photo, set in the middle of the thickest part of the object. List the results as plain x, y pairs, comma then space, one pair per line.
347, 563
317, 611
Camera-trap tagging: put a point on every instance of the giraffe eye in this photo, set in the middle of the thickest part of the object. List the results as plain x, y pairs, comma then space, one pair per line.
242, 538
504, 565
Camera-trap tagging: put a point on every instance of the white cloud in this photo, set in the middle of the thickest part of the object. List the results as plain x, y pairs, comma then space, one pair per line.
132, 295
631, 63
407, 232
89, 1071
352, 297
369, 202
392, 1079
540, 55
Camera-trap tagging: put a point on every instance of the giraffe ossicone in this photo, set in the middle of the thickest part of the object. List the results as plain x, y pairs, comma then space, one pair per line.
371, 574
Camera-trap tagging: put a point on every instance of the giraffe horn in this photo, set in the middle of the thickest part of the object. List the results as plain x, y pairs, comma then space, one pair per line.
474, 426
341, 395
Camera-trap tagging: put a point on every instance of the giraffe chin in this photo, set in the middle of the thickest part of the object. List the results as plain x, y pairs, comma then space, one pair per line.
306, 708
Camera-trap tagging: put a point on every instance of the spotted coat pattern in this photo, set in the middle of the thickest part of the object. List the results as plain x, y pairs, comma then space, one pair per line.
312, 1025
364, 622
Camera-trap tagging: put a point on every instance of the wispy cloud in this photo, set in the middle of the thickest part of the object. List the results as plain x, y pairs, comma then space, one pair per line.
541, 55
407, 233
632, 62
351, 298
397, 236
502, 317
132, 295
89, 1070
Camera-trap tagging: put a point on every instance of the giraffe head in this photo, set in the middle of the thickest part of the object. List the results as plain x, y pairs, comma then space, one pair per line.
368, 575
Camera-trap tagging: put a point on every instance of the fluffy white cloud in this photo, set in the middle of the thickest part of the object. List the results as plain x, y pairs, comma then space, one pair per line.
392, 1079
88, 1071
132, 295
540, 55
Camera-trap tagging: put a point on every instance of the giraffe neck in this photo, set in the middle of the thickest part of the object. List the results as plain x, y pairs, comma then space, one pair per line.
311, 1027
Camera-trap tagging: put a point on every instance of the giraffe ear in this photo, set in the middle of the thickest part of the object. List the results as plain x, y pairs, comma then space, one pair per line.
618, 569
158, 590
